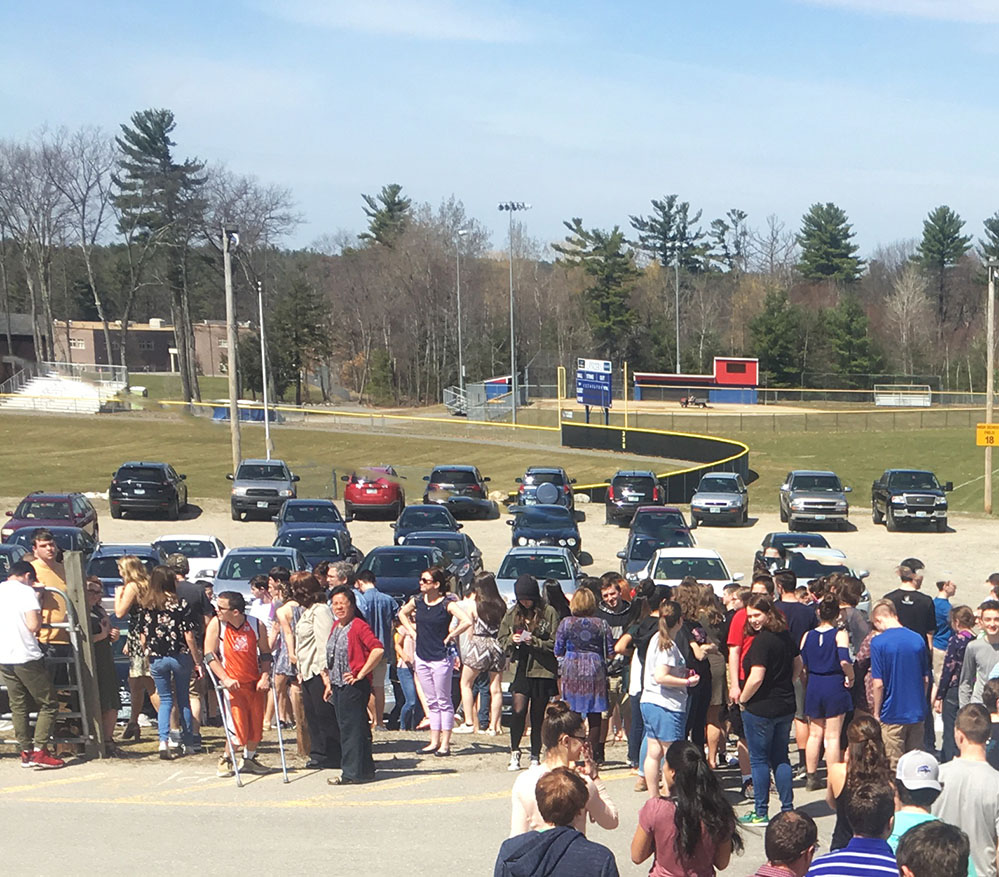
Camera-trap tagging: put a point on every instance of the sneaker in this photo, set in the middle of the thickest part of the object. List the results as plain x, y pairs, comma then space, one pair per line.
800, 772
514, 760
641, 785
251, 765
26, 759
43, 761
464, 729
225, 767
732, 761
535, 762
813, 783
491, 732
747, 789
753, 818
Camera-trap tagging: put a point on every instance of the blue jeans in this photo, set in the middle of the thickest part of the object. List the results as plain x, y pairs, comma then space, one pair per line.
480, 687
767, 740
177, 668
407, 716
636, 737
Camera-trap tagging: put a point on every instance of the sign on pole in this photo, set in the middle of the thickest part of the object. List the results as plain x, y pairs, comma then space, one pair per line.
987, 435
594, 382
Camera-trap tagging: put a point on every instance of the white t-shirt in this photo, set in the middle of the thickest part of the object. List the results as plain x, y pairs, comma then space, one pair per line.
669, 697
263, 612
18, 645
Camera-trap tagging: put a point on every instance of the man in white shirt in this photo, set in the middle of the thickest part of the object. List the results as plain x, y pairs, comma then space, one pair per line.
22, 667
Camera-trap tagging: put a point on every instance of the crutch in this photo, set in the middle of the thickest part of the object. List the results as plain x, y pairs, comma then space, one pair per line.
224, 712
277, 716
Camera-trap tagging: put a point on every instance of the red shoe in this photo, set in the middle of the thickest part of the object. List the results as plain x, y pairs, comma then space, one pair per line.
43, 761
26, 759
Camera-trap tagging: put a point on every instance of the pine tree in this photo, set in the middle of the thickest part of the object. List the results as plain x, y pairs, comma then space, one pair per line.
848, 336
989, 245
827, 251
668, 234
301, 327
602, 255
731, 240
388, 215
775, 333
941, 249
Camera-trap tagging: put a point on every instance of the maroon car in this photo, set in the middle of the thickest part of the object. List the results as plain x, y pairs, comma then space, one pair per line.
373, 489
40, 509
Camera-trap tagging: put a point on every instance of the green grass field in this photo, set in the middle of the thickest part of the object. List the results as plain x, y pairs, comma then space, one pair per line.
61, 453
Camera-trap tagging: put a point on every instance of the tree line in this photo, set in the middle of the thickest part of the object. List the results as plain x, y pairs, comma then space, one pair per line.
121, 228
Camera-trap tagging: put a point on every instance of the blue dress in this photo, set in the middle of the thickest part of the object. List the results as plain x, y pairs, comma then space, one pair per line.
583, 645
826, 694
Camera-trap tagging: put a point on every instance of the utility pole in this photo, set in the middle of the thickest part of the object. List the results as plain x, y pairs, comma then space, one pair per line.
457, 278
230, 240
268, 447
990, 318
676, 293
512, 207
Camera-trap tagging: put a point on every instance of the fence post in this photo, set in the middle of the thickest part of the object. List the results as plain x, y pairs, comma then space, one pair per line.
76, 591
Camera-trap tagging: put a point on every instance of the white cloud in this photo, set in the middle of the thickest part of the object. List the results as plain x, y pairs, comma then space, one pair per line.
963, 11
438, 20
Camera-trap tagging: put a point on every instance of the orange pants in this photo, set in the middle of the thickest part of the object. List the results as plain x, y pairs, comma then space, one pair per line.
247, 708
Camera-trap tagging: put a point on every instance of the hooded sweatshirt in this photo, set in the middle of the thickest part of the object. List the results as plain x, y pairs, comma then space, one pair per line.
557, 852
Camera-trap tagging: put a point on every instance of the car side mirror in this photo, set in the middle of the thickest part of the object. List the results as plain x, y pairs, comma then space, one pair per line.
737, 577
862, 573
183, 478
510, 523
518, 480
295, 478
230, 476
622, 554
572, 480
461, 526
949, 485
426, 477
275, 518
393, 525
345, 478
487, 478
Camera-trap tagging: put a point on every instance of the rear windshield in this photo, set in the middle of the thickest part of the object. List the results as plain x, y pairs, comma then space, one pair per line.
701, 568
141, 473
452, 476
544, 478
311, 543
246, 566
106, 567
634, 484
261, 472
320, 513
191, 548
453, 546
541, 566
810, 568
44, 509
407, 564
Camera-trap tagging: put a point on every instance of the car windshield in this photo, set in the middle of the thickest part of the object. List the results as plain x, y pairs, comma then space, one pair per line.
106, 567
453, 546
643, 549
541, 566
67, 540
811, 568
191, 548
261, 472
246, 566
44, 510
701, 568
425, 519
311, 543
789, 540
7, 556
452, 476
320, 513
401, 565
141, 473
545, 516
914, 481
537, 478
829, 483
710, 484
657, 521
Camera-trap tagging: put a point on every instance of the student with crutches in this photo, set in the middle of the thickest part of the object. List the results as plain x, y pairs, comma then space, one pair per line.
240, 658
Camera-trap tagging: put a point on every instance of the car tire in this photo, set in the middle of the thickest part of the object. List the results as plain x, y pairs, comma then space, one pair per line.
693, 522
235, 513
891, 525
745, 516
173, 510
607, 516
941, 525
115, 512
792, 524
783, 517
876, 515
348, 514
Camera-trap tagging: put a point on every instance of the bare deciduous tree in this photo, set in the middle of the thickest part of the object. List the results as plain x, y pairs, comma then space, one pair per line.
909, 313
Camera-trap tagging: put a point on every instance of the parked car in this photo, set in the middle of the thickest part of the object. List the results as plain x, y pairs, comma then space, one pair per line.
720, 496
42, 509
461, 488
780, 542
261, 487
423, 517
103, 562
640, 547
909, 496
9, 554
373, 489
629, 489
458, 549
320, 543
147, 487
241, 564
545, 525
669, 566
813, 496
809, 563
67, 538
533, 491
543, 562
397, 568
309, 513
203, 553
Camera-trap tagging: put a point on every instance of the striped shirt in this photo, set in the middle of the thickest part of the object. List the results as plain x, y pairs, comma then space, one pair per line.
861, 857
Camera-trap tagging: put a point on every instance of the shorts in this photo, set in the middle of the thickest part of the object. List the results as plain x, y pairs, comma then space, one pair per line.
378, 673
246, 705
617, 696
662, 724
799, 700
900, 739
719, 692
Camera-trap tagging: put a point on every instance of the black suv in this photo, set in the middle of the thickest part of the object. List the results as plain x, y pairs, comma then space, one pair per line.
147, 487
461, 488
628, 489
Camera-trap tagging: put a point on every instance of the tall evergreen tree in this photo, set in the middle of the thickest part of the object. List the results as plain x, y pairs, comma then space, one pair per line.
301, 325
388, 215
848, 336
162, 199
669, 233
730, 238
989, 245
941, 248
827, 250
611, 267
775, 333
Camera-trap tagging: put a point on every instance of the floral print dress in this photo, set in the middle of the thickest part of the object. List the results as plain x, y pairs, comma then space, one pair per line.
583, 646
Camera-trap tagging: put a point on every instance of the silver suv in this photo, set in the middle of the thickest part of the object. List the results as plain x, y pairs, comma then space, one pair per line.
720, 496
261, 487
810, 496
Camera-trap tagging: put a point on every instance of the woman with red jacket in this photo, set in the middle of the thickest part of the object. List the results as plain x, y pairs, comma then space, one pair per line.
352, 652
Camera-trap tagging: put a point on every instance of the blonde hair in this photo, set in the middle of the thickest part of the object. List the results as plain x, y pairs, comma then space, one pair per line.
583, 602
134, 571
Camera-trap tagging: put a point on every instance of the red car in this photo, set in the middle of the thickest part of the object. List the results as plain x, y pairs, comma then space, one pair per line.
374, 489
41, 509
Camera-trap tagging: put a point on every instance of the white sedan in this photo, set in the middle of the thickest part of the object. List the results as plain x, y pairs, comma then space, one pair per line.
203, 553
669, 566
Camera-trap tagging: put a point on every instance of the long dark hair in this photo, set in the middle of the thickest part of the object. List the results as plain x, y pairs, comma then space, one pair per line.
866, 760
698, 800
556, 598
489, 605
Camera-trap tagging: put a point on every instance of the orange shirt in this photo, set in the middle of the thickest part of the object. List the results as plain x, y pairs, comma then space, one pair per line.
53, 606
240, 655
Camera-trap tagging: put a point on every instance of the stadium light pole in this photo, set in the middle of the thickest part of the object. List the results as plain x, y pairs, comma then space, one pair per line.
990, 318
230, 240
512, 207
676, 293
457, 279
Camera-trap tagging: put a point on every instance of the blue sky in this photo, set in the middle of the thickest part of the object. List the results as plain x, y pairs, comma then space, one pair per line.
588, 109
